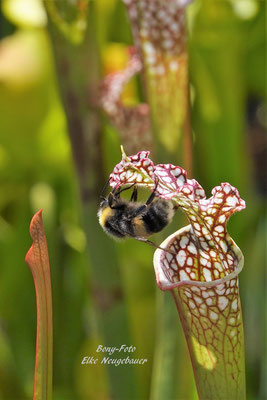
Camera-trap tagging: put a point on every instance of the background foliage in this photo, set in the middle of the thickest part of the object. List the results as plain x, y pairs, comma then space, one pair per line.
227, 41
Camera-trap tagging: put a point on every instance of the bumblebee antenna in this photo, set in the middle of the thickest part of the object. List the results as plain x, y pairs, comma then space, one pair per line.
104, 188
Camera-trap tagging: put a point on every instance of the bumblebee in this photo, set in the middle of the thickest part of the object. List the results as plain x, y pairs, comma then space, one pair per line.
130, 219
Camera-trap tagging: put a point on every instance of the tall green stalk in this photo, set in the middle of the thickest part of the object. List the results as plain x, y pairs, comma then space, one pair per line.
78, 73
160, 34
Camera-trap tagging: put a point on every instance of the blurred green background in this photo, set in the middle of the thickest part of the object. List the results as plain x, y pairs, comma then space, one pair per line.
105, 293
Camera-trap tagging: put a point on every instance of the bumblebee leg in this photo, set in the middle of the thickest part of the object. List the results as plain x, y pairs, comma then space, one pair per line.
141, 239
143, 207
115, 189
152, 196
122, 190
134, 195
111, 196
115, 193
